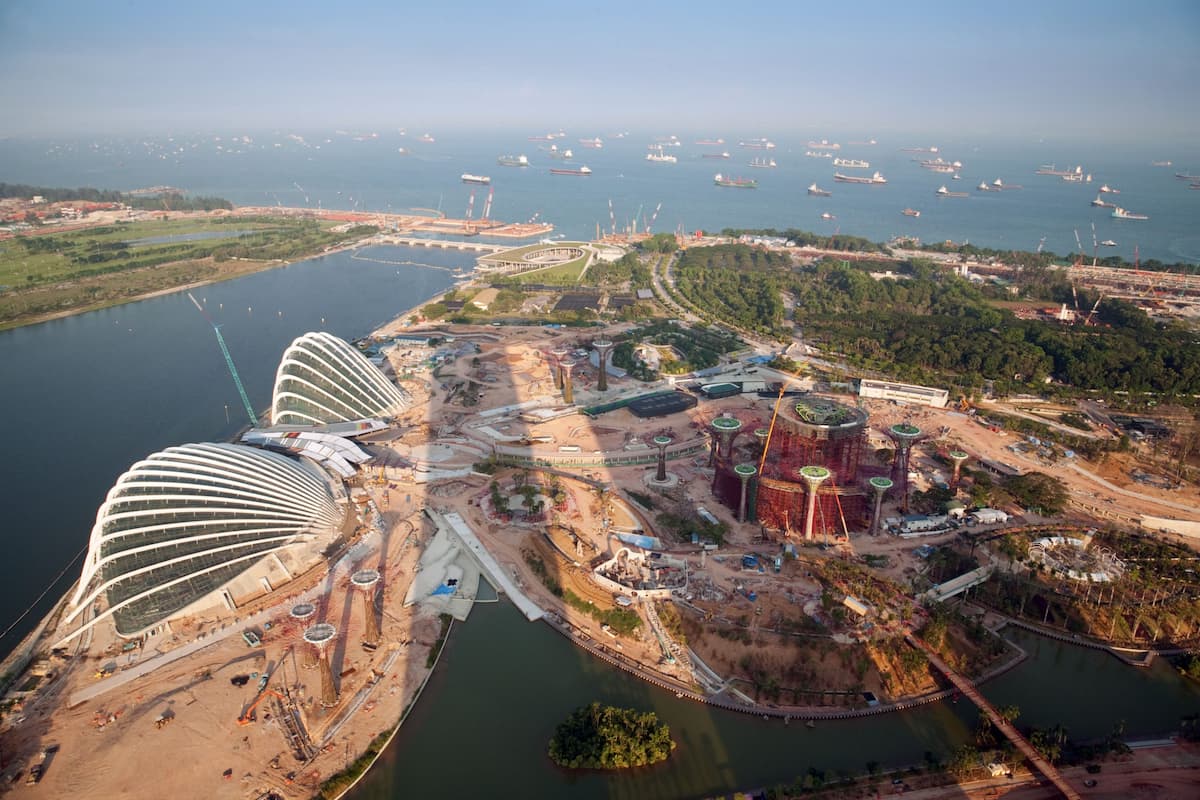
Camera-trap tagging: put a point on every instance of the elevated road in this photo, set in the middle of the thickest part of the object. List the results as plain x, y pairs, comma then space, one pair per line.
1048, 770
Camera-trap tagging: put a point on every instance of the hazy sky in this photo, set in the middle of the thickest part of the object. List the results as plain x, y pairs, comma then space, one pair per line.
1096, 69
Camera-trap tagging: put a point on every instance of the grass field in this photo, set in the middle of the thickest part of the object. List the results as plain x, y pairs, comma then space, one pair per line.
57, 272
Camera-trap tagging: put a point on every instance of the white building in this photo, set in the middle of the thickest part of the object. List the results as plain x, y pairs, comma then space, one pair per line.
904, 392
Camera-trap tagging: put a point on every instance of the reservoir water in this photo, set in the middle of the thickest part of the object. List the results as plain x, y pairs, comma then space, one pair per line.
88, 395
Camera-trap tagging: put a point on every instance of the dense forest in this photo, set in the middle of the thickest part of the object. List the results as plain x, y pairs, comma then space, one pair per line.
605, 737
736, 283
928, 325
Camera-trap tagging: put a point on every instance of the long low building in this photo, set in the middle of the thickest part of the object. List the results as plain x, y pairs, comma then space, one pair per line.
904, 392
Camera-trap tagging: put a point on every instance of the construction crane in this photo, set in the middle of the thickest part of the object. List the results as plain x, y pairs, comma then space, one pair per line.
487, 206
1078, 243
247, 716
612, 218
653, 217
228, 360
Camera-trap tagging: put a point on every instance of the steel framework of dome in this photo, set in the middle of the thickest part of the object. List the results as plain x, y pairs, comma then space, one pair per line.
322, 379
186, 521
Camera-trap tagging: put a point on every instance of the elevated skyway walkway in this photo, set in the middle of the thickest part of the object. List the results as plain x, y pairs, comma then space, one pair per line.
963, 685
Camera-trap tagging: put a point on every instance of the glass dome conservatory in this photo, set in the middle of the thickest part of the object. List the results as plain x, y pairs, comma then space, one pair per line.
187, 521
322, 379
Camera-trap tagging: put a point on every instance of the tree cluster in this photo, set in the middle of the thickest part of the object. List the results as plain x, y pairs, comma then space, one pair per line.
606, 737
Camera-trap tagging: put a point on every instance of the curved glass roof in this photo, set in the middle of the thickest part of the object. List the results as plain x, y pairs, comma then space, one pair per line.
187, 520
322, 379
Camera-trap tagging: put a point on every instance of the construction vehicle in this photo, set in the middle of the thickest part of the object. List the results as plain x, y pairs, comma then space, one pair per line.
162, 720
248, 715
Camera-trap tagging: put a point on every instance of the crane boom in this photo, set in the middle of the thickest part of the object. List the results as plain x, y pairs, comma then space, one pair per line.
237, 381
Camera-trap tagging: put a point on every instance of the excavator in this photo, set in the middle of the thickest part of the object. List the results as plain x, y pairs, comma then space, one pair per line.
248, 716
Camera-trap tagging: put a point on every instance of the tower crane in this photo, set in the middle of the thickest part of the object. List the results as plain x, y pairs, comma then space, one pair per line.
228, 360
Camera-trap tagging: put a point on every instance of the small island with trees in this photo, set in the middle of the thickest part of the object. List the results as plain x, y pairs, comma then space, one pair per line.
606, 737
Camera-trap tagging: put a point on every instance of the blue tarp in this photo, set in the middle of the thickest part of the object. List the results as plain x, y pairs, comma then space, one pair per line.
644, 542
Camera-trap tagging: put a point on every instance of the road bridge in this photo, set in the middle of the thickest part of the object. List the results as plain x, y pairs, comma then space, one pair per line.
1048, 770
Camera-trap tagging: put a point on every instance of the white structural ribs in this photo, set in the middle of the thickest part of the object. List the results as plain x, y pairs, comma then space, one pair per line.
322, 379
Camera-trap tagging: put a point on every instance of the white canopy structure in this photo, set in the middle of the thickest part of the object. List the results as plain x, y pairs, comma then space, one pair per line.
322, 379
187, 521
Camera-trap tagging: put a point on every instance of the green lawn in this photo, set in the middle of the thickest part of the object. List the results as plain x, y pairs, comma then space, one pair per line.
30, 261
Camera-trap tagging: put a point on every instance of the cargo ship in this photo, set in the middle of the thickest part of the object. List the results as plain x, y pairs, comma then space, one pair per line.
1050, 169
661, 157
1184, 176
763, 163
918, 149
1120, 213
757, 144
1160, 163
867, 142
595, 143
583, 170
1076, 177
911, 212
852, 163
710, 142
817, 154
942, 191
1109, 190
469, 178
824, 144
722, 154
817, 191
427, 139
735, 183
874, 180
513, 161
1099, 202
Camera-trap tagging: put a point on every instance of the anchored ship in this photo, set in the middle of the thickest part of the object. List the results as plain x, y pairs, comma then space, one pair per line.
735, 183
942, 191
757, 144
824, 144
661, 157
852, 163
1099, 202
874, 180
763, 163
911, 212
469, 178
1109, 190
513, 161
1120, 213
710, 142
722, 154
581, 171
596, 143
817, 191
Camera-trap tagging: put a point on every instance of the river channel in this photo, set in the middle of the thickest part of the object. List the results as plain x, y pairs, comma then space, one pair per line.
88, 395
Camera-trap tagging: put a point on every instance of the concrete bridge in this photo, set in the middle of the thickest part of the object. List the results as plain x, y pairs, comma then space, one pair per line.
444, 244
1048, 770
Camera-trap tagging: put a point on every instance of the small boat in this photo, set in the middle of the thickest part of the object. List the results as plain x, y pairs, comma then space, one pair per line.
827, 215
1109, 190
817, 191
1108, 243
911, 212
427, 139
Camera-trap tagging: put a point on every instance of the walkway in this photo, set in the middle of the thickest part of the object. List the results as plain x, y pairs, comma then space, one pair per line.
1004, 726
